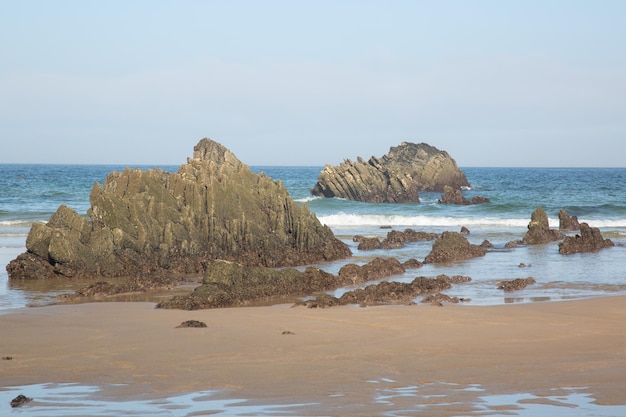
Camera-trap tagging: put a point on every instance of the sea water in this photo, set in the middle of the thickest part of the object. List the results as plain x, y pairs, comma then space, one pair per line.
32, 193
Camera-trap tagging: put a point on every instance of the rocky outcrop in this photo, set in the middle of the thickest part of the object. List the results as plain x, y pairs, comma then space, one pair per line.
453, 246
539, 231
455, 196
397, 177
377, 268
589, 240
214, 207
568, 223
395, 239
386, 292
228, 284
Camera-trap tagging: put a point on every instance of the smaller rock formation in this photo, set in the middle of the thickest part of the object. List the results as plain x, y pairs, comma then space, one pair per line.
453, 246
397, 177
539, 231
228, 284
377, 268
20, 400
568, 223
439, 298
455, 196
394, 240
412, 264
386, 292
589, 240
192, 323
515, 284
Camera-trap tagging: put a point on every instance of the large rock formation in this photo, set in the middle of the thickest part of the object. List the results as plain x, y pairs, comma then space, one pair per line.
589, 240
397, 177
151, 221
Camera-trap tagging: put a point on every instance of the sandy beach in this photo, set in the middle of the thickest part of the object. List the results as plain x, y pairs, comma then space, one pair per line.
297, 354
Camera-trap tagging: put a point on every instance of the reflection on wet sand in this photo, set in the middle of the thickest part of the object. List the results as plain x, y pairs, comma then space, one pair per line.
387, 398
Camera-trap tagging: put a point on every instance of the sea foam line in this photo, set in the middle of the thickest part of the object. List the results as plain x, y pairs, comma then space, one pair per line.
353, 220
356, 220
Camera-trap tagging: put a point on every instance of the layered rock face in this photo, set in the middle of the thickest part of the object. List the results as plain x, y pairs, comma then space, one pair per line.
397, 177
151, 221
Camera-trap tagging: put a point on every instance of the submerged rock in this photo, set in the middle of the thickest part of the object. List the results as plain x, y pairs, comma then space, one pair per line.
589, 240
20, 400
539, 229
515, 284
214, 207
397, 177
453, 246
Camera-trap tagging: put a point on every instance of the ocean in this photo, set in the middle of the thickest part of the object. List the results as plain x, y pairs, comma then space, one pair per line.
32, 193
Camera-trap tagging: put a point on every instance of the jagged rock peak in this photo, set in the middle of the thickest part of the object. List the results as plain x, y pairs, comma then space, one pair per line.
209, 150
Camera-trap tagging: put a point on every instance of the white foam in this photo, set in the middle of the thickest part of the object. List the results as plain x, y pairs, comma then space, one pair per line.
355, 220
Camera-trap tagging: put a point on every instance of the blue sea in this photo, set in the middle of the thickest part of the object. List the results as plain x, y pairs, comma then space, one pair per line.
32, 193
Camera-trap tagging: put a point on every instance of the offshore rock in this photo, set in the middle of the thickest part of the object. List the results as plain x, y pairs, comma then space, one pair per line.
453, 246
539, 229
568, 223
152, 221
455, 196
397, 177
589, 240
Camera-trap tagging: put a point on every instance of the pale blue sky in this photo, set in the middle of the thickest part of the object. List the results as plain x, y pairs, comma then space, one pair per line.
494, 83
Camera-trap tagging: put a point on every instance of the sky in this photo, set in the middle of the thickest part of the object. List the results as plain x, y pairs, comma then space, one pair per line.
493, 83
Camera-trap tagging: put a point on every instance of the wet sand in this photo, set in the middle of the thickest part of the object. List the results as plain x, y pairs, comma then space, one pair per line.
330, 353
